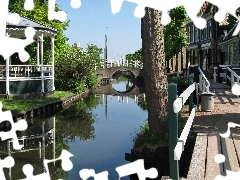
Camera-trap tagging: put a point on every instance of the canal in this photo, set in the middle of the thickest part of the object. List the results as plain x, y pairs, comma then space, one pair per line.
98, 130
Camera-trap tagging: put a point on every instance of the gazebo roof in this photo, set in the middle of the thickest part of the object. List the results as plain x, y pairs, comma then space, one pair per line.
17, 30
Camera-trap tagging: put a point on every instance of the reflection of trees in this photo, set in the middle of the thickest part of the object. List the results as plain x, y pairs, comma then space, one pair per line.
77, 120
129, 85
142, 103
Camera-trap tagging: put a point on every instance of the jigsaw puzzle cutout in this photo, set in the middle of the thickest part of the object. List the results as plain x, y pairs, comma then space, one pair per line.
236, 89
7, 162
8, 45
66, 166
137, 167
192, 9
20, 125
11, 45
220, 158
87, 173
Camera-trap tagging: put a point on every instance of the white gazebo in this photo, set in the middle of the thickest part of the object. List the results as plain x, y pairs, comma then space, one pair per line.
28, 79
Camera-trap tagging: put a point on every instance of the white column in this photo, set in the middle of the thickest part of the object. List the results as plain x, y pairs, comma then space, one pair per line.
7, 73
54, 147
38, 52
53, 71
42, 78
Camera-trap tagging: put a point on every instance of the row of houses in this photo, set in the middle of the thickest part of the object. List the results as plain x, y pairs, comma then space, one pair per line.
215, 44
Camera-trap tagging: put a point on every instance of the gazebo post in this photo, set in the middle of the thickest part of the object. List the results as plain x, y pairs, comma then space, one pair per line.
7, 72
42, 78
38, 52
52, 49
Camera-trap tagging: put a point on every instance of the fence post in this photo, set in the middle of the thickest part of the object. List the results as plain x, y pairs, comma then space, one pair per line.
190, 81
173, 131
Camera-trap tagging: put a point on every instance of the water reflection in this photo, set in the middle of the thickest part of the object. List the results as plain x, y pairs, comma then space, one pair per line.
97, 130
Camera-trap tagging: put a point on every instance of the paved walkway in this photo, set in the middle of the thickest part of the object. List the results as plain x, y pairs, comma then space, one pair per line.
208, 143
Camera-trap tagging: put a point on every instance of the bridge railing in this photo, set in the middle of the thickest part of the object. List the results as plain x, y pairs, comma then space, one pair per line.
119, 63
204, 84
232, 77
176, 145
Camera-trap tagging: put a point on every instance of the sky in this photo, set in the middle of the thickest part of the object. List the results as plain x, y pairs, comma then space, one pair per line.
88, 24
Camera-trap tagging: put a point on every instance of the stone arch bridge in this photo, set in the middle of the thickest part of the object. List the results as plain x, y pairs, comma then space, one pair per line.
109, 90
107, 73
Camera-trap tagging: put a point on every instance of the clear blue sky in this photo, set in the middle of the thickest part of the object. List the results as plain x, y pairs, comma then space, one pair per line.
88, 25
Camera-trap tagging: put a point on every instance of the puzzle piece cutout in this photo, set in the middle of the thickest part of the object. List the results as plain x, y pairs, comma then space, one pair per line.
52, 14
236, 89
87, 173
230, 7
7, 162
18, 126
137, 167
230, 175
66, 166
227, 133
9, 46
192, 9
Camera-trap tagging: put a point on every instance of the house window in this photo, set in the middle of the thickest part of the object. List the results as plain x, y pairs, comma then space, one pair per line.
202, 34
192, 34
205, 33
230, 54
196, 34
209, 29
188, 34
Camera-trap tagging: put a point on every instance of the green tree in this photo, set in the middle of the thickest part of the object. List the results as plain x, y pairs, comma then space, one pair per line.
76, 72
40, 15
137, 55
175, 37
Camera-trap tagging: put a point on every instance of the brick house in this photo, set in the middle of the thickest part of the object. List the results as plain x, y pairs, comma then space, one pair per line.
205, 45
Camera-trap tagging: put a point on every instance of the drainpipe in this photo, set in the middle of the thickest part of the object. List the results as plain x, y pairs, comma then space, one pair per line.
215, 34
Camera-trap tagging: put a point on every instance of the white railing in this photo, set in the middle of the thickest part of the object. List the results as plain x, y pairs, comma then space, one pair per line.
204, 84
119, 63
233, 76
222, 74
27, 71
177, 106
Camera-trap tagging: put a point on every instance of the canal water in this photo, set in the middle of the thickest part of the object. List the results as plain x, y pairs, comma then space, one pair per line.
97, 130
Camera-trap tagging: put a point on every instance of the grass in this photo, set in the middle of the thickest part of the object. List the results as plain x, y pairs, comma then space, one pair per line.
20, 106
145, 138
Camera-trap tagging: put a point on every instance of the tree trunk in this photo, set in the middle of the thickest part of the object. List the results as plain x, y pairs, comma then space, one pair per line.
156, 86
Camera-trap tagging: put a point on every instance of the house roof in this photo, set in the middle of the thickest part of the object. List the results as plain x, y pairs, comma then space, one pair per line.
230, 36
17, 30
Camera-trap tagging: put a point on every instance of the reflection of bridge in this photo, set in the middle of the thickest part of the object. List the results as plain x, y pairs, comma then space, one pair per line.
109, 90
109, 72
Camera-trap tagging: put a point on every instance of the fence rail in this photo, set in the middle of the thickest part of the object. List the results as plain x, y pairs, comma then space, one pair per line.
176, 145
18, 72
204, 84
234, 76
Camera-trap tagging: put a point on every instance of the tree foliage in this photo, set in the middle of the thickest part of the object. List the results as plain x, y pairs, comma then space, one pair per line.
175, 37
40, 15
75, 73
137, 55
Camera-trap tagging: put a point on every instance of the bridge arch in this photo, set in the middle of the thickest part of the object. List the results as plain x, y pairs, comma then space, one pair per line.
109, 72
